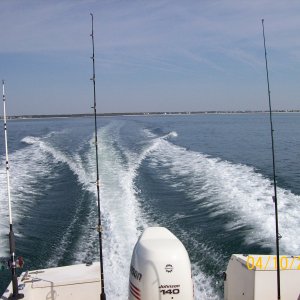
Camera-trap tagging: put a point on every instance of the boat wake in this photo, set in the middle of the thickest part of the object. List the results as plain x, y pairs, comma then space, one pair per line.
224, 188
198, 191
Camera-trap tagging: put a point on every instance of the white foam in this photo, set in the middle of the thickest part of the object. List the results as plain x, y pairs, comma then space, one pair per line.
224, 187
25, 169
120, 212
229, 188
172, 134
27, 166
122, 217
73, 162
149, 134
203, 285
120, 206
203, 254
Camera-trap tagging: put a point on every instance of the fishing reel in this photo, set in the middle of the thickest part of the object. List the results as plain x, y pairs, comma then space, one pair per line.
6, 263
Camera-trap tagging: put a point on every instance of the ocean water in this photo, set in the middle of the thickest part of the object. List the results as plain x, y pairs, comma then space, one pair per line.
207, 178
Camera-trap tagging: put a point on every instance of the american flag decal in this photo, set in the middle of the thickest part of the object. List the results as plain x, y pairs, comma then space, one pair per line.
135, 292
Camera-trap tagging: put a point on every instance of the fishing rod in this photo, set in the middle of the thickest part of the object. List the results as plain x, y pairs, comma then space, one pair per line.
274, 170
11, 235
99, 228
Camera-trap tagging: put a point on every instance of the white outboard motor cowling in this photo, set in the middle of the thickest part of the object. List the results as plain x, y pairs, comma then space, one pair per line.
160, 267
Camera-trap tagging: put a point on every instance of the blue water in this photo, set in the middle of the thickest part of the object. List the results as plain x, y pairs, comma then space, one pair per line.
207, 178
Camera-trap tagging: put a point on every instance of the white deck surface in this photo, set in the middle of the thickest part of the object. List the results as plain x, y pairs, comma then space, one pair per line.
77, 282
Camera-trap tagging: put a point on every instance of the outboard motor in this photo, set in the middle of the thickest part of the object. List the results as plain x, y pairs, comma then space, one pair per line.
160, 267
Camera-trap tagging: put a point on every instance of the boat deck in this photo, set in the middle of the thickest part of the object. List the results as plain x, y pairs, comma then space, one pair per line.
70, 282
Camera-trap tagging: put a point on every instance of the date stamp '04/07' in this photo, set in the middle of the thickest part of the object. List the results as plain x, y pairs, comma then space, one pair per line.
262, 263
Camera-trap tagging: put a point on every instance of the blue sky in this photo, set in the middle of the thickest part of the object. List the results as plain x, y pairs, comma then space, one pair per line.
158, 55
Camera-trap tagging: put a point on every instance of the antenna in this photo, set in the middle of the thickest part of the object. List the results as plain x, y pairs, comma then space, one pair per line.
99, 228
12, 243
274, 169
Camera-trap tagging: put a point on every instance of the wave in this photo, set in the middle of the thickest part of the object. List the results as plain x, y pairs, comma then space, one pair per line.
123, 218
25, 170
74, 162
204, 286
77, 165
31, 168
232, 189
221, 187
119, 206
172, 134
148, 133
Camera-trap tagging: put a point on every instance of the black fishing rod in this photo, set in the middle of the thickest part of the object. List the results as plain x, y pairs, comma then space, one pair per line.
274, 170
11, 235
99, 229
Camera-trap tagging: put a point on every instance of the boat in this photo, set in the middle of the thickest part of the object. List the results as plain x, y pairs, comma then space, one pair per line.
160, 269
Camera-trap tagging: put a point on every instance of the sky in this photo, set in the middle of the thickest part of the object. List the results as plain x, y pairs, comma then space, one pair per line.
158, 55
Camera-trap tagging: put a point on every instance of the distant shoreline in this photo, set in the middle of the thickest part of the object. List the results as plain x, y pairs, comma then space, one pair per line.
50, 116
